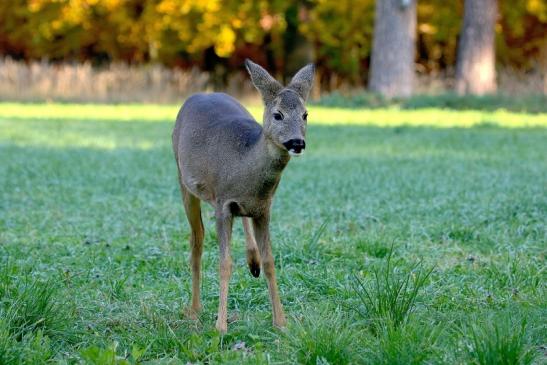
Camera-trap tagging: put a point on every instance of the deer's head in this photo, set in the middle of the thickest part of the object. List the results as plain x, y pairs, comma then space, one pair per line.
285, 115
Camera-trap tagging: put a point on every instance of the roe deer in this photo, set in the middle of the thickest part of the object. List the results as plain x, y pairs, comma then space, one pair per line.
227, 159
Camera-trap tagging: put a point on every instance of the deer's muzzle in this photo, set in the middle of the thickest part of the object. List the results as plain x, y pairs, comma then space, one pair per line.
295, 146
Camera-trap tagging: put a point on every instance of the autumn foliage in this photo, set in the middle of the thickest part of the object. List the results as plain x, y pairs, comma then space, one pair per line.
216, 35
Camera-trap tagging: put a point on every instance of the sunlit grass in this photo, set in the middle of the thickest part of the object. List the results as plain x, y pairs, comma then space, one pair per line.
115, 126
387, 117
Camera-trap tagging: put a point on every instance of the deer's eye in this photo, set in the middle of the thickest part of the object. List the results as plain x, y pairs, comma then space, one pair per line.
278, 116
305, 116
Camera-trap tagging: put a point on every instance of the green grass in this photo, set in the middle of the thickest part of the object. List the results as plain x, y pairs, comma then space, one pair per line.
534, 103
391, 297
500, 340
94, 242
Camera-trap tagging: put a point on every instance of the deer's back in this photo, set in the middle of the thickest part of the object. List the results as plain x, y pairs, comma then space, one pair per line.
212, 134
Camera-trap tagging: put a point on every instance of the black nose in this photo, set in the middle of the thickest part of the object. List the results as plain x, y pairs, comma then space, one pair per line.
296, 145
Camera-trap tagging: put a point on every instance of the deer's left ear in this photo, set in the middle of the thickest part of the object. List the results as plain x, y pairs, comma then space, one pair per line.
263, 81
302, 82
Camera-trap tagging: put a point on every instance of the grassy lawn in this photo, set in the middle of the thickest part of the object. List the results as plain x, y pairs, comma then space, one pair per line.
400, 237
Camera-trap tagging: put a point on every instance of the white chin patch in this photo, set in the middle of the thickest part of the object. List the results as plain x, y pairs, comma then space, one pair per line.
294, 153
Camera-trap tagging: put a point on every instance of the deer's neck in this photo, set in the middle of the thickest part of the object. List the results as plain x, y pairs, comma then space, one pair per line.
268, 158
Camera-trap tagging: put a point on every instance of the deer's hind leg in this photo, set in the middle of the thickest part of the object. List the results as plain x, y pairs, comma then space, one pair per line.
262, 233
253, 257
192, 205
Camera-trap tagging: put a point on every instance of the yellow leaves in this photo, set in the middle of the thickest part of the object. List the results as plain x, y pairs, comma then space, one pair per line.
75, 12
199, 24
109, 4
35, 6
167, 6
132, 29
221, 24
168, 30
236, 23
182, 7
56, 25
427, 28
539, 8
225, 42
210, 5
498, 28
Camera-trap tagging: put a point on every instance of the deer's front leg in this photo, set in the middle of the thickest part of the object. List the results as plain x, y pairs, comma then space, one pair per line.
224, 232
262, 234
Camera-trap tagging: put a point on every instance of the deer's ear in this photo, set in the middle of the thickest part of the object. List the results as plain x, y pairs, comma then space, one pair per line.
302, 82
263, 81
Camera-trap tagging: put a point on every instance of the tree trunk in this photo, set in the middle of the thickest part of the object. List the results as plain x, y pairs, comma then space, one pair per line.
476, 63
298, 49
393, 48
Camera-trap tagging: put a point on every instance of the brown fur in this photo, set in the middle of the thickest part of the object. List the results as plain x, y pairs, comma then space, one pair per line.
227, 159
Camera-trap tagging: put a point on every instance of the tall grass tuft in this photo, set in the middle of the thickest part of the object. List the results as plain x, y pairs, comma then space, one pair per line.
391, 295
498, 340
411, 343
33, 320
33, 348
323, 337
33, 306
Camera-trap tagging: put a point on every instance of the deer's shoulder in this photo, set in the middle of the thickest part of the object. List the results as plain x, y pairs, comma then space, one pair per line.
222, 117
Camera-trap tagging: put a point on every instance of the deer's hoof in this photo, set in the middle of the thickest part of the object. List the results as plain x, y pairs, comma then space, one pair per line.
222, 328
255, 270
192, 313
280, 323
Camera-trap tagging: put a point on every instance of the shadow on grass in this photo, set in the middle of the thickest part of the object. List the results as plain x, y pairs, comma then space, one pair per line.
428, 169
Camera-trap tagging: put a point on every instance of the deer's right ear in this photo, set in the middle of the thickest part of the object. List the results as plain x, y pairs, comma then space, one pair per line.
263, 81
302, 82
